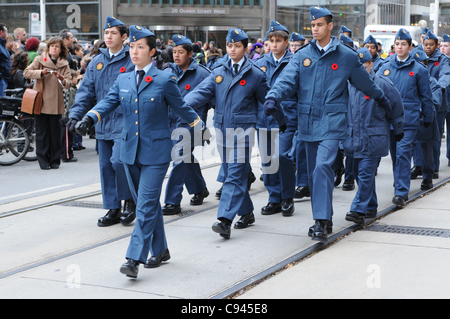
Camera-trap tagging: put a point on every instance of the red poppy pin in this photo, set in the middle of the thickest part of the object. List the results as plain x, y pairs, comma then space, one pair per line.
436, 63
334, 66
45, 59
148, 79
411, 73
243, 82
187, 87
122, 69
367, 98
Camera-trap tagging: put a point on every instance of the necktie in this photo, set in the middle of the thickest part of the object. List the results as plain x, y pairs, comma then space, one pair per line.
322, 52
141, 74
112, 57
236, 68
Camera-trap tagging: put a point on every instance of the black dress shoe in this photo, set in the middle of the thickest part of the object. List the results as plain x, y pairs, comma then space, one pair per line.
287, 207
338, 176
329, 228
320, 230
302, 191
271, 208
436, 174
416, 171
371, 213
155, 261
112, 217
426, 185
251, 179
170, 209
197, 199
129, 212
399, 200
219, 193
130, 268
245, 221
348, 185
223, 228
357, 218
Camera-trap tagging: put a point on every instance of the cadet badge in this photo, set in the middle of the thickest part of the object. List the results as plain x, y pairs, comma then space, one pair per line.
387, 72
99, 66
361, 55
306, 62
264, 68
219, 79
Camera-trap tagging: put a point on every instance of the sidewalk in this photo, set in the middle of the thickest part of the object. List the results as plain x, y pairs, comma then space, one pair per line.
59, 252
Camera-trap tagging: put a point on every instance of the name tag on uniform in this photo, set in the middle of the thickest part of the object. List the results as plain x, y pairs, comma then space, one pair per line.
122, 90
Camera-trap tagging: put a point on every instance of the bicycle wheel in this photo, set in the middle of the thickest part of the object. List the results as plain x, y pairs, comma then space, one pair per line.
14, 141
29, 124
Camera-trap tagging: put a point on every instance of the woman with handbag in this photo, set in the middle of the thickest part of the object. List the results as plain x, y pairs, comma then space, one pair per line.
50, 69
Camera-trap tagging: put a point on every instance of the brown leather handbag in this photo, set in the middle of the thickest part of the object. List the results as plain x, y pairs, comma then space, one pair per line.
32, 100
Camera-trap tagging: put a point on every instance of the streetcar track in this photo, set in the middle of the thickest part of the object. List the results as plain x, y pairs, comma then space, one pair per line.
244, 285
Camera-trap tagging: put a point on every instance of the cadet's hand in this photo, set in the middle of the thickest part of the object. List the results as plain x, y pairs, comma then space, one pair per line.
71, 125
84, 125
399, 137
270, 106
385, 104
426, 124
283, 128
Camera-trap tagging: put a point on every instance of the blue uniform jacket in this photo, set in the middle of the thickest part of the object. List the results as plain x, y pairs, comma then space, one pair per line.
187, 81
98, 79
368, 124
439, 68
146, 133
411, 80
236, 98
321, 86
377, 62
272, 71
431, 133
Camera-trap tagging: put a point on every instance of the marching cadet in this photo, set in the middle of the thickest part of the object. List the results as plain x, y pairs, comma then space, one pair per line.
445, 49
427, 136
344, 30
188, 74
144, 95
371, 44
411, 80
100, 75
237, 86
296, 41
367, 142
318, 73
281, 183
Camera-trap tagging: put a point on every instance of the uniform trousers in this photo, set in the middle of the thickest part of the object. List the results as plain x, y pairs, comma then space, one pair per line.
184, 173
401, 153
145, 182
300, 162
366, 195
278, 168
423, 156
320, 158
112, 174
235, 198
440, 117
48, 139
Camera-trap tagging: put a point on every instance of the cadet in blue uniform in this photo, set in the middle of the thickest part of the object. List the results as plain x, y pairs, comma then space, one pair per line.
296, 41
318, 73
411, 79
98, 79
371, 44
237, 86
279, 183
189, 74
144, 95
368, 127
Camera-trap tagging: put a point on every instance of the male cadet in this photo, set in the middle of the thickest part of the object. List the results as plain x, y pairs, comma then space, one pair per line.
318, 73
445, 49
98, 79
343, 29
368, 141
237, 86
296, 41
422, 36
411, 79
371, 44
279, 183
189, 74
426, 136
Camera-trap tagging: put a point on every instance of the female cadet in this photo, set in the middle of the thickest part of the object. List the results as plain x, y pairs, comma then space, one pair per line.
237, 85
411, 80
144, 96
368, 140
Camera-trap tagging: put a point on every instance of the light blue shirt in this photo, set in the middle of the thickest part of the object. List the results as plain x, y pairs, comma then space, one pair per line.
114, 54
146, 68
325, 48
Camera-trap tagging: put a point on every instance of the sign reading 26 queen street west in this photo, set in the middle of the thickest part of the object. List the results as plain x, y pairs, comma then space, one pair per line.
195, 11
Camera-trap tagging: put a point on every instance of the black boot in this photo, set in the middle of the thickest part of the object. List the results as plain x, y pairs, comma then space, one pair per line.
112, 217
129, 212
